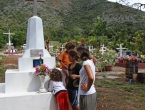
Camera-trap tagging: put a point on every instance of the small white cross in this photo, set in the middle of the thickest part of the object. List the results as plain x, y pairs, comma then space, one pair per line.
9, 44
103, 49
62, 47
120, 49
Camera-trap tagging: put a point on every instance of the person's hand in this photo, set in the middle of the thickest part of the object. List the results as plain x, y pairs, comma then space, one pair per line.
73, 76
84, 87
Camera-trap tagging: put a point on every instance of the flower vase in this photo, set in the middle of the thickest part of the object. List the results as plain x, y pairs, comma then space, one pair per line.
42, 88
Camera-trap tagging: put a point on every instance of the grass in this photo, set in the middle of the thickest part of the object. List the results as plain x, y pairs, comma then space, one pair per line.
118, 94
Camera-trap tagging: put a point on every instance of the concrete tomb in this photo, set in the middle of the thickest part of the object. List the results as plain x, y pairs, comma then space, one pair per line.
19, 92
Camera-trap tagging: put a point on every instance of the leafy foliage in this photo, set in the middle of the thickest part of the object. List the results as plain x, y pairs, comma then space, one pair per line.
96, 21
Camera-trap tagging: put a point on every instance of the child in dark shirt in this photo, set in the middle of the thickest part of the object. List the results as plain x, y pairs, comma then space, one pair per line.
73, 79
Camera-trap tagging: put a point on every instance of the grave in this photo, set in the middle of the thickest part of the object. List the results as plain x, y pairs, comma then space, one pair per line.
19, 92
126, 52
10, 48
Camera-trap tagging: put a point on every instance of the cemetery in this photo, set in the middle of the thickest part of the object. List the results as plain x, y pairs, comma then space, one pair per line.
120, 79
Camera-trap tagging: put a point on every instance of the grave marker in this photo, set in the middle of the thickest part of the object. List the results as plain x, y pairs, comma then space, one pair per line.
120, 49
9, 39
103, 49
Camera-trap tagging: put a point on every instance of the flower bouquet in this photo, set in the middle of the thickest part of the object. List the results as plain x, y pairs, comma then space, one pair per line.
42, 70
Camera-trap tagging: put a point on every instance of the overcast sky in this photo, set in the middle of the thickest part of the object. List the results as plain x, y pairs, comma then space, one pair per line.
130, 2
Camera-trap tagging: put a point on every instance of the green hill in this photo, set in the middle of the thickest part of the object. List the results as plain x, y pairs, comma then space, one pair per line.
66, 18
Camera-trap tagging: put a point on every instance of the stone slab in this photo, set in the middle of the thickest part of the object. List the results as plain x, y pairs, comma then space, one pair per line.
28, 101
2, 87
22, 81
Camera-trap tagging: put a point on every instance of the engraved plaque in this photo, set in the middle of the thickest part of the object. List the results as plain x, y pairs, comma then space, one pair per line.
35, 52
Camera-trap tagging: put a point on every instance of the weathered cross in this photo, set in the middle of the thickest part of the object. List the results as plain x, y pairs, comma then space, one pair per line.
35, 6
62, 47
120, 49
103, 49
9, 37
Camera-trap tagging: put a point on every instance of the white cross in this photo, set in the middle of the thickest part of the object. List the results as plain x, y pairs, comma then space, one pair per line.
35, 6
9, 44
103, 49
120, 49
62, 47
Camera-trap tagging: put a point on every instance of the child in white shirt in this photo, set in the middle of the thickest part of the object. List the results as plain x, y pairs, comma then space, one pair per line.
56, 86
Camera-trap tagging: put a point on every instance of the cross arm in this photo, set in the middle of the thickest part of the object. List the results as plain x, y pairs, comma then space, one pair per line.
8, 33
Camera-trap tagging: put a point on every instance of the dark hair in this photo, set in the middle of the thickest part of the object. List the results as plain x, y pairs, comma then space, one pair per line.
73, 53
83, 45
69, 45
56, 75
84, 52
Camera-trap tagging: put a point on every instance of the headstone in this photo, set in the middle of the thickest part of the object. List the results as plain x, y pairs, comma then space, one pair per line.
126, 52
131, 68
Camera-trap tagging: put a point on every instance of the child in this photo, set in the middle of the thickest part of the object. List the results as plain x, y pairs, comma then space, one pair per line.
63, 58
56, 86
73, 79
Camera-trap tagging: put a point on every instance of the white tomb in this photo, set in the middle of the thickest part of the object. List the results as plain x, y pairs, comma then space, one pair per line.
19, 92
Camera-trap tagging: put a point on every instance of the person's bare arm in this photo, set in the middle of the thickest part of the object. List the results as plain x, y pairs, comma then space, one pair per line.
87, 86
64, 66
74, 76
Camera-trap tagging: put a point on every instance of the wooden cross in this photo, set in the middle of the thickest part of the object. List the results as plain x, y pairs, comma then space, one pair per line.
35, 6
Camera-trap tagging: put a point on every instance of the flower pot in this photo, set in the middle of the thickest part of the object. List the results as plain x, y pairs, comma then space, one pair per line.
42, 88
108, 68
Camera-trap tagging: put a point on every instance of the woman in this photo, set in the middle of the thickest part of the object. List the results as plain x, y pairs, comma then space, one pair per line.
87, 89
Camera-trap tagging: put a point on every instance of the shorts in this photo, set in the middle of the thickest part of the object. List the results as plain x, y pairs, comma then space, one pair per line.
73, 97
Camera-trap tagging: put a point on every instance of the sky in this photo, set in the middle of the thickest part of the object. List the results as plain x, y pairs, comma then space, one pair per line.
130, 2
